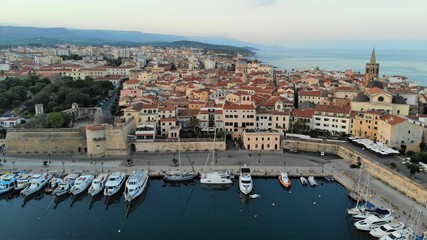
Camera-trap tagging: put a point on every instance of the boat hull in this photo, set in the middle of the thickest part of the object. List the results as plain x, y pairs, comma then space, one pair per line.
178, 178
285, 183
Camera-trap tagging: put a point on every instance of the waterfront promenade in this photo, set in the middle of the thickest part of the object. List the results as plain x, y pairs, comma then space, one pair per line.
266, 164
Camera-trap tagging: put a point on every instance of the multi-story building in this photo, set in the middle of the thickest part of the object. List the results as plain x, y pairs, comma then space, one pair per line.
365, 124
335, 119
261, 140
238, 117
316, 97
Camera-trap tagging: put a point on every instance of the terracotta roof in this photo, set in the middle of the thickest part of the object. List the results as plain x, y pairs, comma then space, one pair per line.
374, 90
167, 120
333, 109
303, 113
231, 106
393, 119
132, 82
95, 127
310, 93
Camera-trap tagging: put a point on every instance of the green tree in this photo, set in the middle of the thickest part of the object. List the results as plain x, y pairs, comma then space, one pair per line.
55, 120
194, 123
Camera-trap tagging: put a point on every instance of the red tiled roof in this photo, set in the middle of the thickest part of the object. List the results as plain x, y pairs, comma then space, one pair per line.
333, 109
303, 113
393, 119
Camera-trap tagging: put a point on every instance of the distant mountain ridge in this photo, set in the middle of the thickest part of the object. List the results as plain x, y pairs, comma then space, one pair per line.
24, 35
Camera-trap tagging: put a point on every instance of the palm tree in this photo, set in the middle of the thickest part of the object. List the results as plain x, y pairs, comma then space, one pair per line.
194, 124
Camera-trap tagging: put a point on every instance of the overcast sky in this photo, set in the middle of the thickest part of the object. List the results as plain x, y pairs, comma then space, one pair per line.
269, 22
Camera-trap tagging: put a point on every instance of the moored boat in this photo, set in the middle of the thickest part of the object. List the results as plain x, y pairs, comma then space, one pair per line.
37, 182
52, 185
218, 177
22, 181
372, 222
66, 184
303, 180
98, 184
7, 182
245, 180
312, 181
386, 229
81, 184
135, 185
114, 182
284, 180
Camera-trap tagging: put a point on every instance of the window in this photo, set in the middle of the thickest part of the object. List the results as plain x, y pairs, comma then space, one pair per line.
381, 99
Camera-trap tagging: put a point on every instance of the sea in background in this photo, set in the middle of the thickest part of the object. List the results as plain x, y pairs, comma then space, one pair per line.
407, 63
188, 211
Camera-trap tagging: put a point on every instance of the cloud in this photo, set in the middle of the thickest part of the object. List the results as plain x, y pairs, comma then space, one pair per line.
263, 2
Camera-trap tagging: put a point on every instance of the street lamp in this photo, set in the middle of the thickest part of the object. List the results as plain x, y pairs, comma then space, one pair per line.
49, 158
4, 157
63, 166
259, 158
102, 166
91, 158
148, 166
13, 164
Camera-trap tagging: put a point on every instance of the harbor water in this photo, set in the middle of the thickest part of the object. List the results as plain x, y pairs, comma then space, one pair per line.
187, 211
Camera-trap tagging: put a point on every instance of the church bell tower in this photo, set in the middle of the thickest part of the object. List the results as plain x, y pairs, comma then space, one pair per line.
372, 69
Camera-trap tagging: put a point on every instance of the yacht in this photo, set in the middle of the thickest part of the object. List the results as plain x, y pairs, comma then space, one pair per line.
303, 180
52, 185
114, 182
178, 175
81, 184
216, 177
66, 184
135, 185
98, 184
245, 180
284, 180
7, 182
37, 182
22, 182
312, 181
372, 222
405, 233
366, 212
386, 229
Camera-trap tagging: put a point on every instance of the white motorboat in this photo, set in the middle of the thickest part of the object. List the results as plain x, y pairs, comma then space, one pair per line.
312, 181
37, 182
254, 196
22, 182
215, 177
372, 222
135, 185
245, 180
98, 184
366, 212
81, 184
284, 180
405, 233
7, 182
303, 180
178, 175
114, 182
386, 229
66, 184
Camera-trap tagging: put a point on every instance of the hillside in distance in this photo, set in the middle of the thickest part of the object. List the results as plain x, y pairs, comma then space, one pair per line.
11, 35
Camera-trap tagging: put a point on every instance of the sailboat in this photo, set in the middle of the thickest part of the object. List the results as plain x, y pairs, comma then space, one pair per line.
215, 177
179, 175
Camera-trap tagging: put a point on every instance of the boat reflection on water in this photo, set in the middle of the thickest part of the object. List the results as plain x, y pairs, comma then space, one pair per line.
60, 199
38, 195
115, 198
77, 198
96, 198
190, 182
244, 198
10, 195
133, 205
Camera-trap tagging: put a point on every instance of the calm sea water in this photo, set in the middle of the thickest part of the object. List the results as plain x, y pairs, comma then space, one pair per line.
408, 63
188, 211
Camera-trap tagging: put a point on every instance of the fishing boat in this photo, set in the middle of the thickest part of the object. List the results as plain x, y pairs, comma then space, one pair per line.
303, 180
98, 184
215, 177
114, 182
37, 182
284, 180
178, 175
52, 185
312, 181
135, 185
81, 184
245, 180
386, 229
66, 184
7, 182
22, 181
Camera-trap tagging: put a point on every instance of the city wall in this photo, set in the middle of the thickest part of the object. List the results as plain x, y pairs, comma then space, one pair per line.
167, 146
45, 141
403, 184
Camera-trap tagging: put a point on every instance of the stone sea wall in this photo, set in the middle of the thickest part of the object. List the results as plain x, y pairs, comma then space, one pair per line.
403, 184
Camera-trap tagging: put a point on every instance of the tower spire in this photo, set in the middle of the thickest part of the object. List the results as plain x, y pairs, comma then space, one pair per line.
373, 57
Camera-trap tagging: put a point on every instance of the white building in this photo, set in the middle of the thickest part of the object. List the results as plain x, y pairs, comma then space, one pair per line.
335, 119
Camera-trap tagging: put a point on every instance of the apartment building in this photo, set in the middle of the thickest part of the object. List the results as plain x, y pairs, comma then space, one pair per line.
238, 117
332, 118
